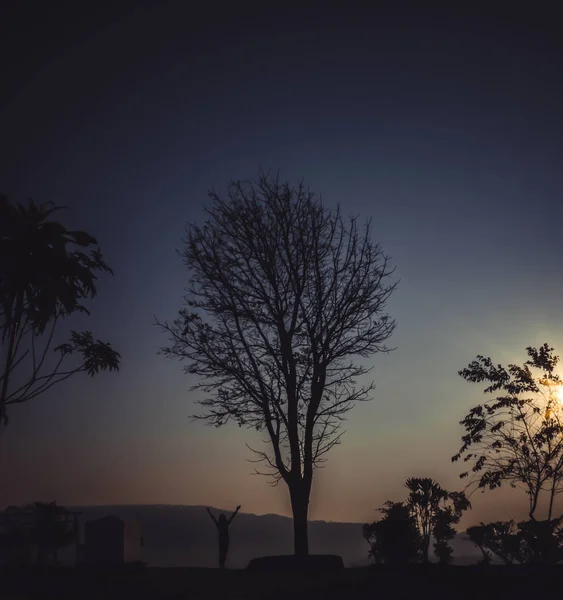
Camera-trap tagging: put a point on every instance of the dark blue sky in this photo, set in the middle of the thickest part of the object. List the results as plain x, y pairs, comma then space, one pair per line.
446, 130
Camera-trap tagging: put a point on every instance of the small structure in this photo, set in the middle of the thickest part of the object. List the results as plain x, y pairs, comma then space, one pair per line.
112, 541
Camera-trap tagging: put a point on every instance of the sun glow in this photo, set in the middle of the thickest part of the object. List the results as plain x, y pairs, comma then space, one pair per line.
559, 394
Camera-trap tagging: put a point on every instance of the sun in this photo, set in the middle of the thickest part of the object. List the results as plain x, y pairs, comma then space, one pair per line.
559, 394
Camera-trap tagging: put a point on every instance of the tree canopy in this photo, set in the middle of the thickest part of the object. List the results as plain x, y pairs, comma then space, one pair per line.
286, 301
46, 274
518, 437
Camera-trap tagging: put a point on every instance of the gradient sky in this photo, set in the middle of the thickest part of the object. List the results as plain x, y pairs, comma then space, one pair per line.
447, 131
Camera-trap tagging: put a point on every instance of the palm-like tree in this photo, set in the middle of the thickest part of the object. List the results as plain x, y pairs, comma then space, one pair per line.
424, 500
45, 274
435, 511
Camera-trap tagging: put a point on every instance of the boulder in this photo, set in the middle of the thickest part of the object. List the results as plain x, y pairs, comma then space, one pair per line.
290, 562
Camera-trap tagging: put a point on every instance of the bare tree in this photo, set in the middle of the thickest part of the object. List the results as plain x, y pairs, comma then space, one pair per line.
285, 299
518, 437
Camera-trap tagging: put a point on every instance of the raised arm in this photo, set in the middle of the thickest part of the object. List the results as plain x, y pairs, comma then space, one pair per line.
234, 514
211, 515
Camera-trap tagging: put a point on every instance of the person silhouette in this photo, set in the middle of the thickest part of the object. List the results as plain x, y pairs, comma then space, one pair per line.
222, 525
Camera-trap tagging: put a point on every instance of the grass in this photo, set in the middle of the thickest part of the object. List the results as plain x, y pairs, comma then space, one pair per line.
211, 584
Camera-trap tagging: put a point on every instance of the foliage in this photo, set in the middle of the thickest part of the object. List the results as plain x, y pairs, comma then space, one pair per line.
526, 542
517, 438
478, 535
444, 532
428, 511
42, 525
286, 298
540, 541
50, 531
393, 540
43, 279
435, 511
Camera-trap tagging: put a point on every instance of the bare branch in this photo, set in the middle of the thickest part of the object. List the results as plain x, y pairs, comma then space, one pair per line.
285, 301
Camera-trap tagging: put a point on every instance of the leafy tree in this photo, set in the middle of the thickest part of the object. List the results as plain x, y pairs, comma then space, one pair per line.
369, 534
499, 538
478, 535
424, 501
15, 537
286, 298
429, 511
394, 540
435, 511
444, 531
526, 542
540, 541
44, 277
51, 531
517, 438
43, 525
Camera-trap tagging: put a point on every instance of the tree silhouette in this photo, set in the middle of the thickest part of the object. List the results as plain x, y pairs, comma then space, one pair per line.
50, 531
424, 501
370, 534
435, 511
15, 539
394, 539
526, 542
478, 535
517, 438
501, 538
42, 281
540, 541
444, 532
284, 295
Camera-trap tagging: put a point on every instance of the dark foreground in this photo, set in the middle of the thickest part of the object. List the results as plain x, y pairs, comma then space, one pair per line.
416, 582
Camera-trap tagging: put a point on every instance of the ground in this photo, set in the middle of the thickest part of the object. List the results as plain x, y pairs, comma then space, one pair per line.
211, 584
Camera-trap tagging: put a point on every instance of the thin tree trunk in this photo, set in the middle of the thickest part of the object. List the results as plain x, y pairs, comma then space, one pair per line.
551, 497
14, 328
426, 538
534, 502
7, 368
299, 493
426, 551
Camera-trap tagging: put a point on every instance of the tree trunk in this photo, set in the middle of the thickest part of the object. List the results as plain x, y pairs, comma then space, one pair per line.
299, 493
534, 502
551, 498
426, 551
13, 329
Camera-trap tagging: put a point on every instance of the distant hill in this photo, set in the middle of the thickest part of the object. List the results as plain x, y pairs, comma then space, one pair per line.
185, 536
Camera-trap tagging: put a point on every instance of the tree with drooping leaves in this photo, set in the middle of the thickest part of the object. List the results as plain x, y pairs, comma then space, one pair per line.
46, 273
285, 304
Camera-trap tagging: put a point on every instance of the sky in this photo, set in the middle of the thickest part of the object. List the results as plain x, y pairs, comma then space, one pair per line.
446, 130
